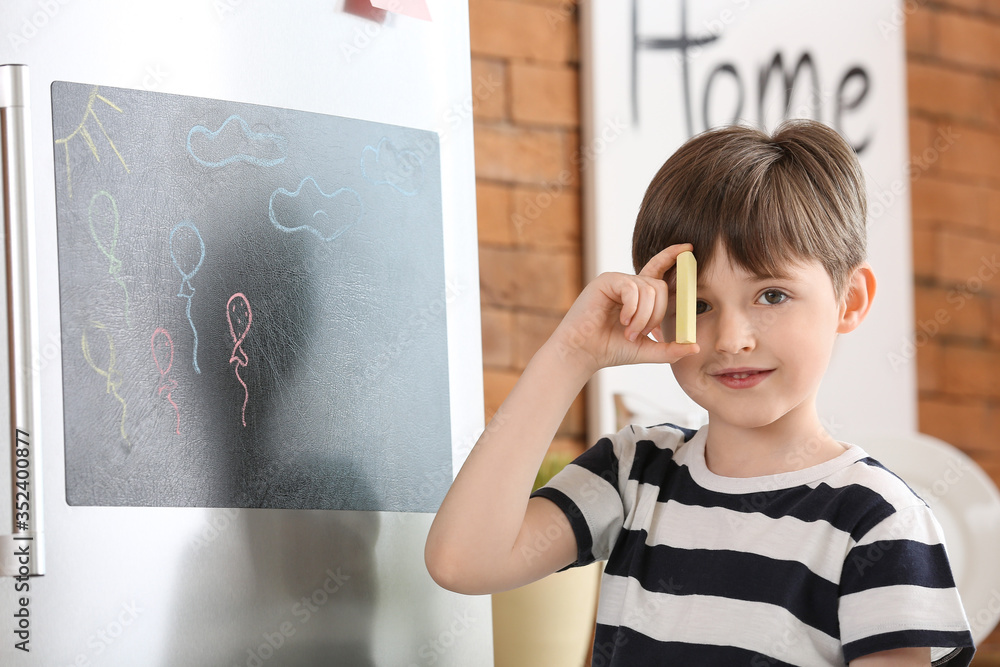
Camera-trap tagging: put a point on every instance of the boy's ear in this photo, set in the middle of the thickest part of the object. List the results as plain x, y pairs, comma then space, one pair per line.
858, 300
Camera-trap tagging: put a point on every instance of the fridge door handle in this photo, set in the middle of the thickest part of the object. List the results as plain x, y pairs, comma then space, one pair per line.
22, 551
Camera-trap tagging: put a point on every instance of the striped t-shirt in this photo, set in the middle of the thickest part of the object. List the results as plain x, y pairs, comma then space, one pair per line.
813, 567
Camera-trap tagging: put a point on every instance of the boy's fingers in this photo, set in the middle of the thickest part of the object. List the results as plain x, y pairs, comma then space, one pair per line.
644, 311
662, 304
663, 260
629, 295
665, 353
658, 306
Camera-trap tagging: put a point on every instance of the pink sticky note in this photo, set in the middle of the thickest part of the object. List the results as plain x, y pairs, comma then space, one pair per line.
415, 8
364, 9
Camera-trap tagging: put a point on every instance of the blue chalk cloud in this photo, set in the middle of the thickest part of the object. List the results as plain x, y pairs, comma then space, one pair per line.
234, 141
310, 209
385, 164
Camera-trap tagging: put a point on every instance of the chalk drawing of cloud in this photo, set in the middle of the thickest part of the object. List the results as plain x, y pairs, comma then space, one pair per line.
386, 165
234, 141
312, 210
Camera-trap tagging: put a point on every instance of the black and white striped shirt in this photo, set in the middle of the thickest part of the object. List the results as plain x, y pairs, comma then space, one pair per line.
813, 567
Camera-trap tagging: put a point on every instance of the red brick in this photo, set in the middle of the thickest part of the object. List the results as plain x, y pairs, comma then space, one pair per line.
936, 200
988, 652
576, 158
496, 386
498, 337
991, 8
992, 221
968, 5
954, 58
921, 140
929, 367
973, 153
919, 35
574, 45
520, 278
567, 6
951, 312
489, 89
961, 423
947, 91
924, 252
519, 155
969, 263
506, 29
493, 213
989, 460
968, 40
533, 329
970, 372
992, 113
568, 445
994, 324
545, 94
547, 217
574, 423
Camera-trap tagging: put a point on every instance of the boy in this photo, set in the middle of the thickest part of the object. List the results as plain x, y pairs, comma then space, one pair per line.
758, 539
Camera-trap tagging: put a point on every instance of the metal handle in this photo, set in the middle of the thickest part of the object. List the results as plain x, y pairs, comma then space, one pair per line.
24, 548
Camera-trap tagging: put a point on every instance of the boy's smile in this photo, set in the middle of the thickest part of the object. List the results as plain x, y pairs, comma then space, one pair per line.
742, 378
765, 344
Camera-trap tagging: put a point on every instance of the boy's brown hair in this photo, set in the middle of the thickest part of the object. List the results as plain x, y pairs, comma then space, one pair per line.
798, 194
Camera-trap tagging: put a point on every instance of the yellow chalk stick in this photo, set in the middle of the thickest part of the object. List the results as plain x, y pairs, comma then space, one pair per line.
687, 296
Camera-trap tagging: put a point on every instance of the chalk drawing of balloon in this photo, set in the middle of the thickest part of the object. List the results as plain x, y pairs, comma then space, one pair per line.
239, 316
163, 355
98, 347
103, 221
187, 252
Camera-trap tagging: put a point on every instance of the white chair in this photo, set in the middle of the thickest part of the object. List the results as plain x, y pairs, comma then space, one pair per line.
965, 502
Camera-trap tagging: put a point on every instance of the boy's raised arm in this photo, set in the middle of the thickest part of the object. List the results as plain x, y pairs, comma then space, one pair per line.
475, 543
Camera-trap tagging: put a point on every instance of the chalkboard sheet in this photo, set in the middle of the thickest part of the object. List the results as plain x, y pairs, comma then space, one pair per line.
253, 305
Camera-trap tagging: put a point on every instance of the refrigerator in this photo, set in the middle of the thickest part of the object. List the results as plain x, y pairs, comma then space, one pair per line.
243, 321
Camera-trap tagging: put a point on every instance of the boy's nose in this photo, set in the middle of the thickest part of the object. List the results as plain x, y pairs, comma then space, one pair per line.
736, 333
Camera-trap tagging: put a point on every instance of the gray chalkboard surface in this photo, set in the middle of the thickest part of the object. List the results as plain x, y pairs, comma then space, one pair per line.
252, 305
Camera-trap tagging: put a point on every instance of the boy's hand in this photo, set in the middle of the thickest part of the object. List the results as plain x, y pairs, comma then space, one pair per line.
609, 322
485, 535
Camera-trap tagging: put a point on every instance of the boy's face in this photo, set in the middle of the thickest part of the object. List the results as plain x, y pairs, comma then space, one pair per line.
765, 344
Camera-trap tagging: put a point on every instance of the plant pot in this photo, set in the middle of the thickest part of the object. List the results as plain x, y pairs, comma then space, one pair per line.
548, 623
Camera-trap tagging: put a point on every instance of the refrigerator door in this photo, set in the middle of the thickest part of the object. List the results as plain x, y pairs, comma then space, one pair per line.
158, 564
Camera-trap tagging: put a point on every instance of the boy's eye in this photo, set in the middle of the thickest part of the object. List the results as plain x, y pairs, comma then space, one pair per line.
772, 297
700, 307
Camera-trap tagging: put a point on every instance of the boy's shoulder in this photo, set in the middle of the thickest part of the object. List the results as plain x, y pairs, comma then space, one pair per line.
643, 445
666, 436
868, 476
875, 497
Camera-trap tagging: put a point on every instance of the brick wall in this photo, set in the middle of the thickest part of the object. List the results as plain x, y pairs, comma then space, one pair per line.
525, 63
953, 79
525, 68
